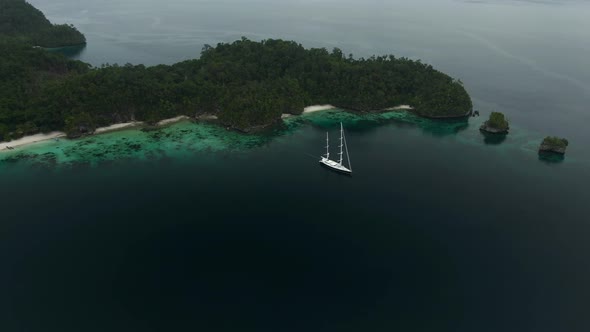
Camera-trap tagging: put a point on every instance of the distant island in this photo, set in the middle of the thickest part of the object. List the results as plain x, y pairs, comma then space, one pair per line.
25, 23
246, 84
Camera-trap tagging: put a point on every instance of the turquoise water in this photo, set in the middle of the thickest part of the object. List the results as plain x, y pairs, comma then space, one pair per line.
186, 139
175, 141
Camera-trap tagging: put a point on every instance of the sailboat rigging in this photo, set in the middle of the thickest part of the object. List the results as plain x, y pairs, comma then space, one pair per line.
337, 165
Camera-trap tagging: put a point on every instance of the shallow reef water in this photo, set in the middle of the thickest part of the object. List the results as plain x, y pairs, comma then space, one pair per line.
188, 138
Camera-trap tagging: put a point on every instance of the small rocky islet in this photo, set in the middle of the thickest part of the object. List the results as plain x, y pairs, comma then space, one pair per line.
496, 124
552, 144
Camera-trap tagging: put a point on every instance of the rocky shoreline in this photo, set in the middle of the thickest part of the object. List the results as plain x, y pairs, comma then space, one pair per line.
553, 145
552, 149
492, 130
496, 124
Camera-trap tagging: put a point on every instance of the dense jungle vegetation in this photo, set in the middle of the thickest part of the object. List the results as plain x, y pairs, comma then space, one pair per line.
247, 84
22, 21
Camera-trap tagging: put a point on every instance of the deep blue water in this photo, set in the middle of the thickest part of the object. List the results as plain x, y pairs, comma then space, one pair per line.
439, 229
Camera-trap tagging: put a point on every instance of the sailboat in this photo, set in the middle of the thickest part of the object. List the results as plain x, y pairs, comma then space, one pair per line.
337, 165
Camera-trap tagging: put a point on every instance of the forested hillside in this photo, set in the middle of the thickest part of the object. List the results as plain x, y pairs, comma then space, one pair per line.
20, 20
247, 84
26, 74
317, 76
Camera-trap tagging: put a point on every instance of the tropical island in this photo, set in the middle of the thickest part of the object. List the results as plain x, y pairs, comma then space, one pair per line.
245, 84
496, 124
553, 144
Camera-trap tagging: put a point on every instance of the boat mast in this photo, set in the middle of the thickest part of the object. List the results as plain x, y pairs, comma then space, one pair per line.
327, 147
347, 154
341, 142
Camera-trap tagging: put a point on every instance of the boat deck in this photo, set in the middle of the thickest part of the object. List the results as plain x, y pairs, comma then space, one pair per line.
334, 165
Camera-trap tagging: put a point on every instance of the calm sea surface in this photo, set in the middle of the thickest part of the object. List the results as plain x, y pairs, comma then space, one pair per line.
195, 228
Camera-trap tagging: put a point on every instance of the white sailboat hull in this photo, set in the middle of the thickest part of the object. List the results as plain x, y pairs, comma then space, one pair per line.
334, 165
331, 164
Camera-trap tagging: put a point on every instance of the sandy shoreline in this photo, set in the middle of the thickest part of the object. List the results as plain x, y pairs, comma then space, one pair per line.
173, 120
117, 126
317, 108
400, 108
207, 117
28, 140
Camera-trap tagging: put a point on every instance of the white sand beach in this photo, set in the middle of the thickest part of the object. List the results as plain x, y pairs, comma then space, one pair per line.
317, 108
400, 108
173, 120
206, 117
310, 109
117, 126
4, 146
27, 140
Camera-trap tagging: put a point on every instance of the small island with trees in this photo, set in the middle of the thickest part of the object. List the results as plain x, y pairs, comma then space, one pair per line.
552, 144
496, 124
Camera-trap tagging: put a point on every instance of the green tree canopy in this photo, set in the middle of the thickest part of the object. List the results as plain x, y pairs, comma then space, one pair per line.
555, 141
247, 84
19, 19
498, 121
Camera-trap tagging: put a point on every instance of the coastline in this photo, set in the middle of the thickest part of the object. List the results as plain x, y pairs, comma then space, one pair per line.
318, 108
28, 140
400, 108
173, 120
117, 126
38, 138
310, 109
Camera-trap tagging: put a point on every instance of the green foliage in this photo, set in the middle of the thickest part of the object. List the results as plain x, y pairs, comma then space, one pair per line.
26, 74
555, 141
316, 76
498, 121
247, 84
4, 132
19, 19
79, 123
